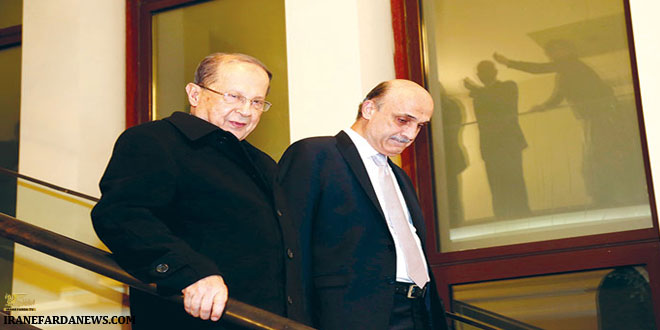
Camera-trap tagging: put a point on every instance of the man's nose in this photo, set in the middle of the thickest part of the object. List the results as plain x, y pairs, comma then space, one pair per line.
244, 109
410, 132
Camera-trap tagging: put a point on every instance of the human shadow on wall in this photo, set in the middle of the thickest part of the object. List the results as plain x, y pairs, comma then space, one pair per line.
612, 165
501, 140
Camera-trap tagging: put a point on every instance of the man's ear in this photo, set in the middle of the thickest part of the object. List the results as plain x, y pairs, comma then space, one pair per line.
194, 94
368, 108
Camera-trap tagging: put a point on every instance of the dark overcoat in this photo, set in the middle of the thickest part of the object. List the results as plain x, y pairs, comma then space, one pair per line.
349, 262
182, 200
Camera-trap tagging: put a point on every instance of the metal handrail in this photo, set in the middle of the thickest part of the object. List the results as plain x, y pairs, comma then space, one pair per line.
101, 262
473, 322
496, 320
9, 172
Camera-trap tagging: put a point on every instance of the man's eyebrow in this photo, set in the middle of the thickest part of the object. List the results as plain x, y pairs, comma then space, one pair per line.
415, 118
405, 115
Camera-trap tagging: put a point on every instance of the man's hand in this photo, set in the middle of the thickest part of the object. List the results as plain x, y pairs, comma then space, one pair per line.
206, 298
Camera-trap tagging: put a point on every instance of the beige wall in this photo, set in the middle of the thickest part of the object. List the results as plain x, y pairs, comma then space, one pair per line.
72, 109
72, 100
647, 47
336, 51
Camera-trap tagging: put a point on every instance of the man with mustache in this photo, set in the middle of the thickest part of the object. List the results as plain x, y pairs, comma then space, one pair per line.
361, 226
188, 205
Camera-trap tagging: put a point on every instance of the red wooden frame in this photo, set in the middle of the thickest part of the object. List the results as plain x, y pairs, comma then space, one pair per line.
635, 247
139, 54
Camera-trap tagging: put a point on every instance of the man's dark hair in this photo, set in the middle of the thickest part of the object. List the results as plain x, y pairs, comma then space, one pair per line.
375, 94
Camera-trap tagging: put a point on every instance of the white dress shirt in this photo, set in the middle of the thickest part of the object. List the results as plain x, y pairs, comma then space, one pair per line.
366, 152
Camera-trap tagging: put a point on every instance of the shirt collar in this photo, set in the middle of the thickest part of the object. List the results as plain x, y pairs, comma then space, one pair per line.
365, 149
195, 128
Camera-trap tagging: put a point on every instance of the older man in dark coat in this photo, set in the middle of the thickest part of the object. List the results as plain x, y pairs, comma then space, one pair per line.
188, 204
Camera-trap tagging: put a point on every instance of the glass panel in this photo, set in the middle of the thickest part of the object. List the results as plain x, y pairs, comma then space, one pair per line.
46, 286
60, 292
537, 137
10, 93
11, 13
183, 36
618, 298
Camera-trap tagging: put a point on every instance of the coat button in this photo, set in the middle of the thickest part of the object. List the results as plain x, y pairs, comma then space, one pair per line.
289, 300
162, 268
279, 213
390, 247
289, 253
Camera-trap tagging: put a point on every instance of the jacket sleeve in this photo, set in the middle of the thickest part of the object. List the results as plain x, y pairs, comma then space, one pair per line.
299, 182
137, 188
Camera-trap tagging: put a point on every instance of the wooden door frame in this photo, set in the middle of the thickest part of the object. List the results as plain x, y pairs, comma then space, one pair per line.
139, 55
11, 36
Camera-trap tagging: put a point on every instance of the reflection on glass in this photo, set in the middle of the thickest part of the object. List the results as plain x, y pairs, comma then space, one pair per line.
610, 167
618, 298
452, 119
501, 140
538, 137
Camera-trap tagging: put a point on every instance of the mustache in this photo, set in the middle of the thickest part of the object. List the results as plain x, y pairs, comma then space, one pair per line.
401, 139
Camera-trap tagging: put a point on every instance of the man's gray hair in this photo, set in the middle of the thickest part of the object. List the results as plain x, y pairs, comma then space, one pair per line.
206, 70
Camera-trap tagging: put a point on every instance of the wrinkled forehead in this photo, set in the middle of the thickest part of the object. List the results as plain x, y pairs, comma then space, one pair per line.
233, 67
242, 75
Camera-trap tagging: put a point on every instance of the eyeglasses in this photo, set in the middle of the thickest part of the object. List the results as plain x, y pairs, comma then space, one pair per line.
232, 98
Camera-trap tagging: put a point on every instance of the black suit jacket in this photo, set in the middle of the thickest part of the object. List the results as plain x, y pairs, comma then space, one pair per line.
349, 261
182, 200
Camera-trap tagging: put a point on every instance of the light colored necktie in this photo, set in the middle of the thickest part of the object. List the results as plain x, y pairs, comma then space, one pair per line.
414, 260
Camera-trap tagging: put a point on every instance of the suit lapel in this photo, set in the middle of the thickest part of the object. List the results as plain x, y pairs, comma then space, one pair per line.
354, 161
352, 157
